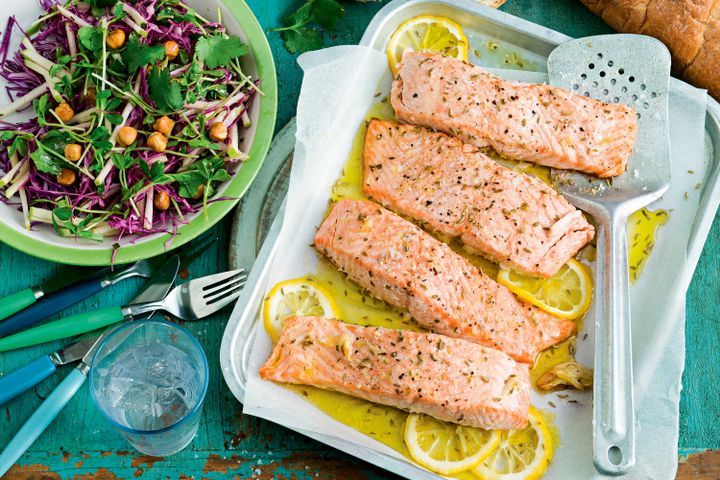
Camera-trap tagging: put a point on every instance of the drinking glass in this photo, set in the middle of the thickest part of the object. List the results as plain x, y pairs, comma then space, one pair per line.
149, 379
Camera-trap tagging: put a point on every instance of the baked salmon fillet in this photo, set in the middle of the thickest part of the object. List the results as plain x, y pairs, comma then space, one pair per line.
536, 123
453, 188
448, 378
403, 265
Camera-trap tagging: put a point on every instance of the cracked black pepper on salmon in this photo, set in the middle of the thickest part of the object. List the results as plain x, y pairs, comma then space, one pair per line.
537, 123
454, 189
451, 379
408, 268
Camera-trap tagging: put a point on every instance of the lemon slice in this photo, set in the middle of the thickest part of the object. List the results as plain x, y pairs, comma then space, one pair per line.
427, 33
446, 448
298, 297
567, 294
520, 454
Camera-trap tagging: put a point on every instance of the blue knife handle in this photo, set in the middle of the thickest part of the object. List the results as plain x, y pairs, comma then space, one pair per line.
38, 422
50, 305
22, 379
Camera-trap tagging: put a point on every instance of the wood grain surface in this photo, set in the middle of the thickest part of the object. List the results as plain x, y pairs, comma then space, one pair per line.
81, 445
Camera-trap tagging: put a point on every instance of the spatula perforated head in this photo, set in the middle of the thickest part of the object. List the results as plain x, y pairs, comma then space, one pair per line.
633, 70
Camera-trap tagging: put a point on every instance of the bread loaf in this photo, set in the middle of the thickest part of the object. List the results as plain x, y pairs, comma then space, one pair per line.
689, 28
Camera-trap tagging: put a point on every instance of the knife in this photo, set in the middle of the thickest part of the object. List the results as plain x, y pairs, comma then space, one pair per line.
19, 300
24, 378
81, 285
156, 288
51, 407
79, 289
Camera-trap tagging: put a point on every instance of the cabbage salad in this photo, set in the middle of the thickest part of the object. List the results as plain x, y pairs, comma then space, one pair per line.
139, 112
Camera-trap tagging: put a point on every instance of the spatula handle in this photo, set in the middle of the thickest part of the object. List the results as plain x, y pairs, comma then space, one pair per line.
614, 414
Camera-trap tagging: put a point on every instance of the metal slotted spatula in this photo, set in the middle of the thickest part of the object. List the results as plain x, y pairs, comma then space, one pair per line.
633, 70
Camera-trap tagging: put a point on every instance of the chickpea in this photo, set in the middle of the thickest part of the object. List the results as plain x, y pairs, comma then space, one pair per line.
218, 131
64, 112
199, 193
163, 125
73, 152
115, 39
161, 200
157, 141
67, 177
172, 49
126, 136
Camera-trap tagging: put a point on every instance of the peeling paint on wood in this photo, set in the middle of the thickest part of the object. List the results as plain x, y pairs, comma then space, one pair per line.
215, 463
145, 460
700, 466
316, 466
30, 472
100, 474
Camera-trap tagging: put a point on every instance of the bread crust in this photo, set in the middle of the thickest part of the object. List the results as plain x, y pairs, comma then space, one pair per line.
689, 28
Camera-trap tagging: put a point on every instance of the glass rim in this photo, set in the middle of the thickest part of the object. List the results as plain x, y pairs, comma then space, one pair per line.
194, 410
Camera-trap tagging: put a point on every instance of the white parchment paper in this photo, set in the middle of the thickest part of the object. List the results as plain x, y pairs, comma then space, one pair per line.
339, 87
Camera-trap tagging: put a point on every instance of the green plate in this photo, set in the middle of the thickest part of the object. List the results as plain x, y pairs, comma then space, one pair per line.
47, 245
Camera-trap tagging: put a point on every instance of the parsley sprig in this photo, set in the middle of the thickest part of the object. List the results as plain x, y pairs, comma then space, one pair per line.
298, 33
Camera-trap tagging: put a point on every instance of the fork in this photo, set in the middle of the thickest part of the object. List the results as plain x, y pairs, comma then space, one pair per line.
193, 300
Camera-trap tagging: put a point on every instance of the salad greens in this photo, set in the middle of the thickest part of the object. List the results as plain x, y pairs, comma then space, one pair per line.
140, 108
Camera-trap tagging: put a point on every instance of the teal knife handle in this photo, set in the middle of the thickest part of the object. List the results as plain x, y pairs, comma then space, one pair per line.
66, 327
16, 302
22, 379
39, 421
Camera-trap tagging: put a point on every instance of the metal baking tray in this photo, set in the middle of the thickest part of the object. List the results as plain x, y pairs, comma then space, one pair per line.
517, 44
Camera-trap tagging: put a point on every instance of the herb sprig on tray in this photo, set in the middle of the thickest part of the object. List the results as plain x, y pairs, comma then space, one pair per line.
139, 111
299, 34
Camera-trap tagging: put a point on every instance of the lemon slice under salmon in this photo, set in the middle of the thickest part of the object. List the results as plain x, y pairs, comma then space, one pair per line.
447, 448
520, 454
298, 297
567, 294
427, 33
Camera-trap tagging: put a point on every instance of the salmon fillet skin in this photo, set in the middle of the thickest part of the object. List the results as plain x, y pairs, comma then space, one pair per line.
403, 265
450, 379
453, 188
536, 123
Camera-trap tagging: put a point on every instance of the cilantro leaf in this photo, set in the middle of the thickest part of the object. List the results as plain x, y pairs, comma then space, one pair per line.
46, 162
218, 50
166, 94
327, 13
302, 40
123, 161
203, 172
91, 38
43, 157
300, 17
19, 145
100, 139
298, 35
137, 54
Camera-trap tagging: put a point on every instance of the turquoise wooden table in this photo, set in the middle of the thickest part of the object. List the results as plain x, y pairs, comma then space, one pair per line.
81, 445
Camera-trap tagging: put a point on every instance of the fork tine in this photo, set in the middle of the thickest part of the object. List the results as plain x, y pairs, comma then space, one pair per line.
219, 279
211, 290
230, 295
218, 293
